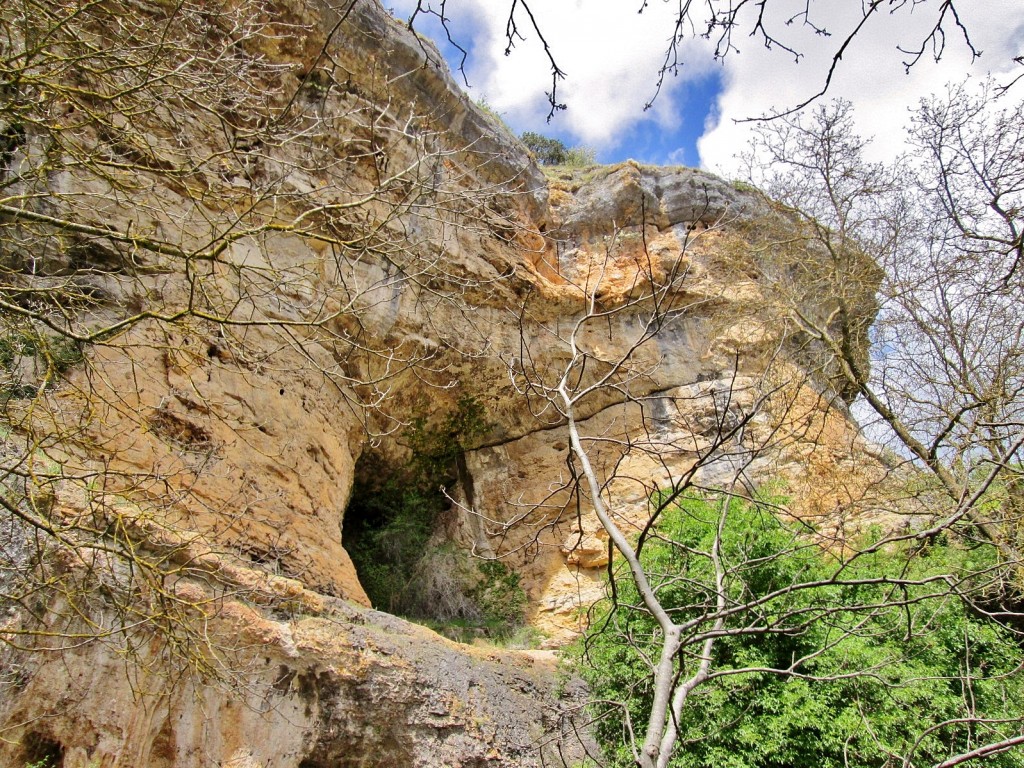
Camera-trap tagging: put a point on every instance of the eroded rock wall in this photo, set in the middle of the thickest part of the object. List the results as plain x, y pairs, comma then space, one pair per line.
223, 417
348, 687
723, 355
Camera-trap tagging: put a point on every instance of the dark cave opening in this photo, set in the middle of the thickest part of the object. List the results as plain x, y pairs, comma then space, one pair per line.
42, 751
392, 530
390, 518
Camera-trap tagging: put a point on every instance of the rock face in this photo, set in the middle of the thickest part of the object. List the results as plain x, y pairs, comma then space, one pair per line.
710, 364
349, 687
334, 241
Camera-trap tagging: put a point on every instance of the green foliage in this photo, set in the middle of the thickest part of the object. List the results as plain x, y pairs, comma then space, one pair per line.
499, 597
742, 186
436, 448
387, 526
478, 632
580, 157
489, 110
882, 663
58, 352
472, 599
41, 751
548, 151
52, 355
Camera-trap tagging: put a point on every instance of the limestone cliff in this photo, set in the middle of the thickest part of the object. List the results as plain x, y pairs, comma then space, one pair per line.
272, 254
344, 688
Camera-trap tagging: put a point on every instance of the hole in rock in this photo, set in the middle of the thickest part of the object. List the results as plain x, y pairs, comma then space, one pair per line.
388, 530
394, 531
43, 751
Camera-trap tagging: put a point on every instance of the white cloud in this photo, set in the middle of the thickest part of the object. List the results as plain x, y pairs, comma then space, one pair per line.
610, 53
871, 74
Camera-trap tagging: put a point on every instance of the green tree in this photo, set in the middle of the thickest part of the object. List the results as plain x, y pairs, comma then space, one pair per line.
933, 246
821, 660
548, 151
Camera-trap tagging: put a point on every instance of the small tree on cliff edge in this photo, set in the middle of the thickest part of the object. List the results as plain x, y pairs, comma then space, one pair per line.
548, 151
947, 389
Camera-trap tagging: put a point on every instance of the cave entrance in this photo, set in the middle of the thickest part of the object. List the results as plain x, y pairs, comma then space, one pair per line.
42, 751
392, 531
388, 528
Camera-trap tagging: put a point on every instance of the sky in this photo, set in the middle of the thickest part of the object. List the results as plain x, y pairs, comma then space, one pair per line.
611, 55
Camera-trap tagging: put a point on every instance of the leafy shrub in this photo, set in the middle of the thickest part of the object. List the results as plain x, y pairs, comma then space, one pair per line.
546, 150
58, 353
466, 598
443, 578
883, 665
387, 526
436, 448
580, 157
50, 355
550, 151
500, 599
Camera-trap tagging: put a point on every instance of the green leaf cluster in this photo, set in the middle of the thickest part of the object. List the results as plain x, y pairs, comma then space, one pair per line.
59, 352
549, 151
499, 596
387, 527
832, 662
54, 355
435, 448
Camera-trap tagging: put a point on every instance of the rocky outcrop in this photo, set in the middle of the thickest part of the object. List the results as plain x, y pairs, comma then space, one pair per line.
346, 687
710, 364
335, 241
